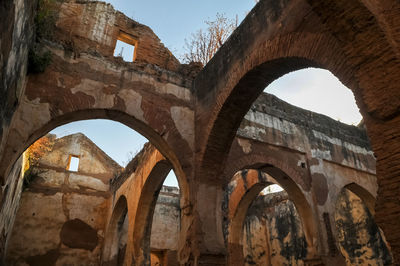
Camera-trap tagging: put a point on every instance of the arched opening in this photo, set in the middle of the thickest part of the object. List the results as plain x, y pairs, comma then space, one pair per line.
166, 224
115, 241
284, 130
245, 191
70, 214
359, 238
273, 233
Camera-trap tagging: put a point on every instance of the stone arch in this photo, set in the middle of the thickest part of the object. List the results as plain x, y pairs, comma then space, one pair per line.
243, 191
145, 211
164, 155
141, 189
268, 57
259, 68
110, 254
289, 35
16, 148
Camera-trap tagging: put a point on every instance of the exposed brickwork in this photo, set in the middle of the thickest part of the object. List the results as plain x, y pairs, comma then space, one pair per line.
195, 119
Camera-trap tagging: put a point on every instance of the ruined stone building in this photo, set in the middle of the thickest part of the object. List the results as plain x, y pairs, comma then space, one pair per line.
83, 216
224, 139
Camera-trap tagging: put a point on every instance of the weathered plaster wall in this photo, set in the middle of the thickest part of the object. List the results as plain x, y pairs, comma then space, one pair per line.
62, 215
274, 121
278, 37
17, 34
166, 220
80, 32
273, 233
319, 154
10, 201
359, 238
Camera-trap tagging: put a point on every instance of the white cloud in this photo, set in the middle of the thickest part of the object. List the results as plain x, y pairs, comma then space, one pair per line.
317, 90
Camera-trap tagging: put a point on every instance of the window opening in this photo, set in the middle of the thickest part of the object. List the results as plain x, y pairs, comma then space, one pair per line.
73, 163
125, 47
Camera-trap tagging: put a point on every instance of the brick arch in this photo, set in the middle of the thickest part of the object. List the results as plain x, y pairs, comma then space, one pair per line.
270, 60
141, 189
145, 211
150, 100
18, 143
352, 39
262, 161
111, 244
241, 191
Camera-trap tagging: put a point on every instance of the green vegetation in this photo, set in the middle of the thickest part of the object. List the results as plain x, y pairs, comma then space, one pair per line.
38, 59
45, 23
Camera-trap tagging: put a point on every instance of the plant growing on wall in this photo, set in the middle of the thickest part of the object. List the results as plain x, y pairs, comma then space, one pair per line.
45, 23
32, 157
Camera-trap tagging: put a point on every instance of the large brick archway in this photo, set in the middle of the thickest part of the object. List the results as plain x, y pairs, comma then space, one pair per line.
298, 34
141, 186
244, 188
193, 117
56, 97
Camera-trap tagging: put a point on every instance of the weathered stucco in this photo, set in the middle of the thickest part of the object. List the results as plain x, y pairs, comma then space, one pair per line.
273, 233
61, 214
196, 119
359, 238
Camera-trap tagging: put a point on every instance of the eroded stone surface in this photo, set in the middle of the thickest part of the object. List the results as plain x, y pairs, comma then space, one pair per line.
193, 124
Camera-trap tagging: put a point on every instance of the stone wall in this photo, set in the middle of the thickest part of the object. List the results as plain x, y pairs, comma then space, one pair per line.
273, 233
17, 32
275, 121
165, 228
62, 215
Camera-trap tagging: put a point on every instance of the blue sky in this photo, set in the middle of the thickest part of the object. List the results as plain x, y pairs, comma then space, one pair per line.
174, 20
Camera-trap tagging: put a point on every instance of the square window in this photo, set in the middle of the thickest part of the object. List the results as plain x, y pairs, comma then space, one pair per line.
125, 47
73, 164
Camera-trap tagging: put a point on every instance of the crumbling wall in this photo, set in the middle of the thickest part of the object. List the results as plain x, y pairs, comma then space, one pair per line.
166, 220
272, 120
62, 214
359, 238
273, 233
166, 227
94, 27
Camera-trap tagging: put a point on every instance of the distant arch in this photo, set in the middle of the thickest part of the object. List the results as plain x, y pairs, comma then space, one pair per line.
366, 196
18, 146
242, 193
111, 254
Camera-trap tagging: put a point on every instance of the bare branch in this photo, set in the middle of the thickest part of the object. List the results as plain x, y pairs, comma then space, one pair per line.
203, 44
